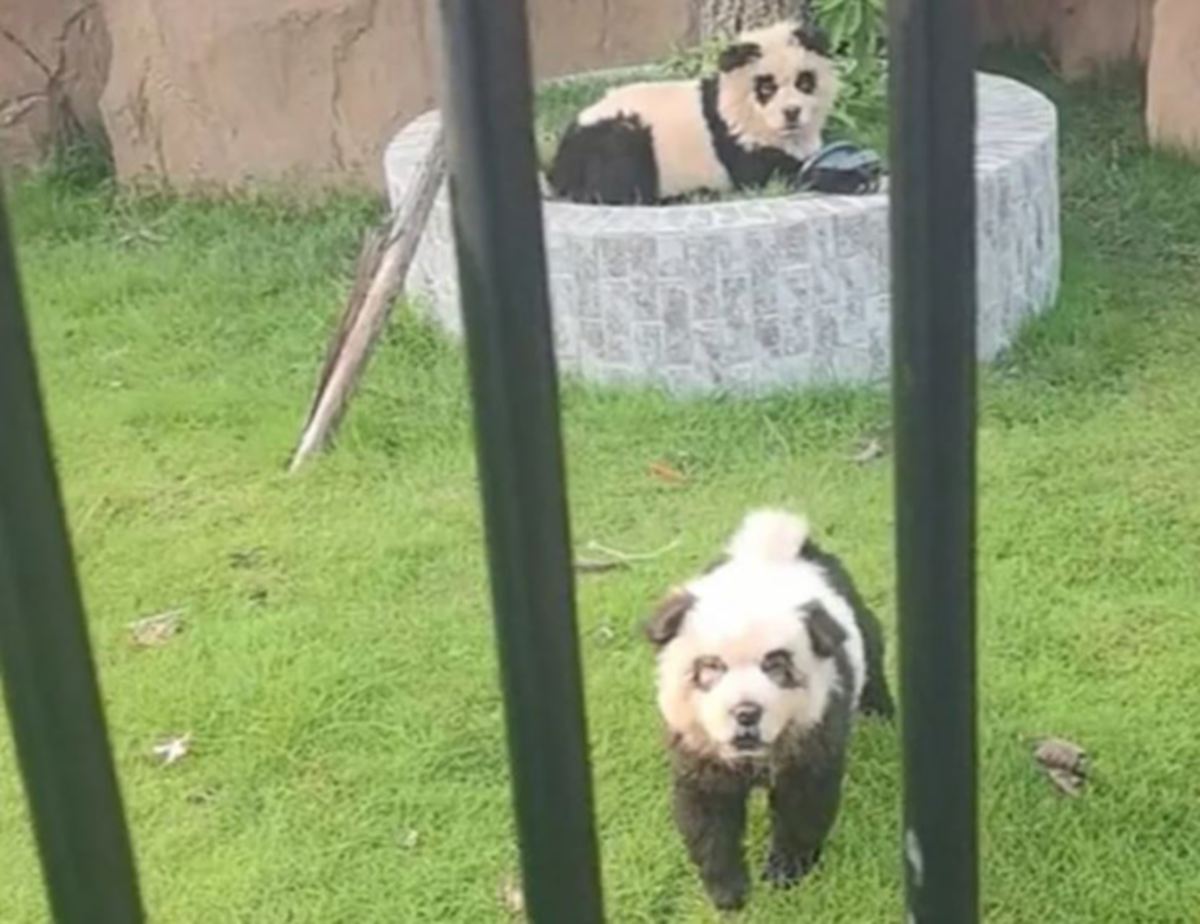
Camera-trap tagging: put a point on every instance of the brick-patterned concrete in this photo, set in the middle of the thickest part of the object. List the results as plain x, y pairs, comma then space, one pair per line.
752, 295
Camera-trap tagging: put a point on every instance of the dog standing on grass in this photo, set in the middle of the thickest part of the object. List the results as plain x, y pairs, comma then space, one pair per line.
762, 662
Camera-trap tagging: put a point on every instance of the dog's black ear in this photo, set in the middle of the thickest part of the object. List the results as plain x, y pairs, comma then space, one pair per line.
824, 633
738, 55
812, 37
664, 625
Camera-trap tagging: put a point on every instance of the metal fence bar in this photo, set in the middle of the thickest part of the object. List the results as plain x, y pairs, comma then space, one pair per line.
502, 273
932, 104
49, 681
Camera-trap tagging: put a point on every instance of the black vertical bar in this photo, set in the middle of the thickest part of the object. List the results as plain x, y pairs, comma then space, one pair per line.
49, 681
932, 99
502, 273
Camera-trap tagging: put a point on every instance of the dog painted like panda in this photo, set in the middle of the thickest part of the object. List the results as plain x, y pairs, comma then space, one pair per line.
762, 662
755, 120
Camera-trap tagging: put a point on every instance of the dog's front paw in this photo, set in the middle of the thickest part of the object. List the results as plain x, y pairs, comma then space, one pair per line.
785, 870
728, 893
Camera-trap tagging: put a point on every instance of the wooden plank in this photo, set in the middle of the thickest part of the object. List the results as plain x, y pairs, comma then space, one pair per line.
383, 266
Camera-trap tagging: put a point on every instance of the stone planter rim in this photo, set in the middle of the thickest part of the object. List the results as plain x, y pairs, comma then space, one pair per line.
846, 320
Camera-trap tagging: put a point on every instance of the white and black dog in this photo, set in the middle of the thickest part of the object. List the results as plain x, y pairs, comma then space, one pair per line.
762, 662
753, 121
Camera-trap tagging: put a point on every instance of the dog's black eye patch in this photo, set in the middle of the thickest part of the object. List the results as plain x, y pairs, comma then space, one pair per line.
779, 666
806, 82
764, 88
706, 672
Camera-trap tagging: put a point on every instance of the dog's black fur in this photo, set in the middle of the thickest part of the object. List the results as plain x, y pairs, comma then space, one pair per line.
803, 773
876, 698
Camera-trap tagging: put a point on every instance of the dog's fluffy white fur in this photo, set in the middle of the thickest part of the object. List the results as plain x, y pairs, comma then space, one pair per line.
763, 662
782, 60
756, 119
751, 606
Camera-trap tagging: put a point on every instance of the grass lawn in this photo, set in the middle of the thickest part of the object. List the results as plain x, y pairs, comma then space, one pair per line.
337, 669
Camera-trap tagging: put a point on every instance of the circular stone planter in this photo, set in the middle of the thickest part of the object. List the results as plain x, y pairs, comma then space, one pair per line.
758, 294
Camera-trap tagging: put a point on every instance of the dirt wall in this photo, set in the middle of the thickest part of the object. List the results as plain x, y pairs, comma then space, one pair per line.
227, 92
1080, 36
54, 59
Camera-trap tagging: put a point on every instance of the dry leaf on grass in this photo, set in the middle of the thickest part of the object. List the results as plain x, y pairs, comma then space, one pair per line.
410, 838
870, 451
173, 750
1065, 763
155, 631
512, 897
667, 473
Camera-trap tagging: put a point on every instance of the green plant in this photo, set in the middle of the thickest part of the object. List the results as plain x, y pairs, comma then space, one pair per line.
856, 30
84, 162
688, 61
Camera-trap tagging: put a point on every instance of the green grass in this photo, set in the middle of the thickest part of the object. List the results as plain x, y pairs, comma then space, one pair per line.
337, 670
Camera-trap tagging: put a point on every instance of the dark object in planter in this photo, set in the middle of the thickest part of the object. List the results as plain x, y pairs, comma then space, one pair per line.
842, 168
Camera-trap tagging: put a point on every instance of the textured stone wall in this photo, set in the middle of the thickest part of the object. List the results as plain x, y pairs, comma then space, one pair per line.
764, 293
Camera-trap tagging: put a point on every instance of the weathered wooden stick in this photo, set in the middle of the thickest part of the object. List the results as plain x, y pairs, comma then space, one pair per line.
383, 266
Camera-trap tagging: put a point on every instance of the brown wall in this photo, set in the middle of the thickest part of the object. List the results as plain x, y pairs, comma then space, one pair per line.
228, 91
53, 62
1173, 81
1081, 36
224, 92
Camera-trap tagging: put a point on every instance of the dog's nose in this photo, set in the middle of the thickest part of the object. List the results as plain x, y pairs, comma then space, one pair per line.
747, 714
792, 114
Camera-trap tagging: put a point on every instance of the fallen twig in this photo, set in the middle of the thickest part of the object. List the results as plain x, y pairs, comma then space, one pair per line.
667, 473
629, 557
596, 566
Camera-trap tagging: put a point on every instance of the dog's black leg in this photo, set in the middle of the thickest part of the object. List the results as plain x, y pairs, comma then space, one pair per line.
804, 804
712, 822
876, 698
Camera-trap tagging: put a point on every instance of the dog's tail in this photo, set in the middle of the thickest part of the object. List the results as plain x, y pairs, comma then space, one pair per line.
769, 536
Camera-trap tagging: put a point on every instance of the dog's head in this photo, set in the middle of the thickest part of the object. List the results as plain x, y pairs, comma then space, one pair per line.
744, 653
777, 86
